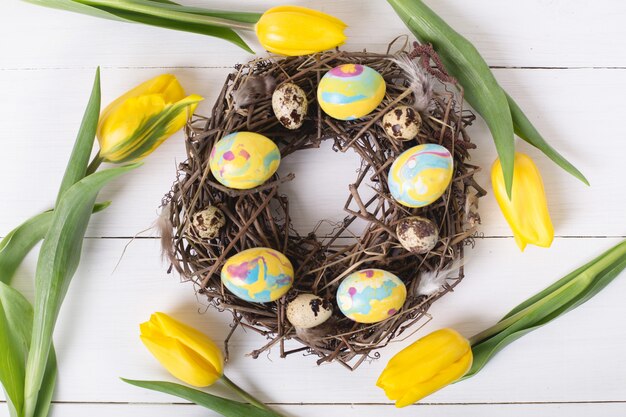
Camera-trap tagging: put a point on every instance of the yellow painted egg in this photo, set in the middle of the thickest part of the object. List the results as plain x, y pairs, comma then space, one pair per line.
420, 175
350, 91
259, 275
244, 160
371, 295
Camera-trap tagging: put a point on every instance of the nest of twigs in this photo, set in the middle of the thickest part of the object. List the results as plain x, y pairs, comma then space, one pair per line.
261, 217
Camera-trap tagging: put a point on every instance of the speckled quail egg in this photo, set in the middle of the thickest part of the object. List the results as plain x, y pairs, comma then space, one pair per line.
207, 223
290, 105
308, 310
417, 234
402, 123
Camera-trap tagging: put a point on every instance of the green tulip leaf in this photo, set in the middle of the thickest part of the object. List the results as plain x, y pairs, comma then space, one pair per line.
525, 130
564, 295
482, 91
74, 6
547, 292
16, 314
16, 320
529, 321
58, 260
165, 14
223, 406
44, 400
580, 274
20, 241
243, 17
201, 29
464, 62
79, 160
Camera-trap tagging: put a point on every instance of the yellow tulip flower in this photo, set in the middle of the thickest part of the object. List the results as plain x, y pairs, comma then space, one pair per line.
135, 124
433, 362
527, 210
293, 30
185, 352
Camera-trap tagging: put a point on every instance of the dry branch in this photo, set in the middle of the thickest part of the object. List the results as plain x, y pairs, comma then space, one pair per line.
260, 217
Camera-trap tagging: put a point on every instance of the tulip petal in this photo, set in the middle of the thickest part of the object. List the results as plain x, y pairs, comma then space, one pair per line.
138, 122
306, 11
425, 366
293, 30
417, 372
425, 357
180, 361
442, 379
141, 124
519, 240
154, 85
171, 90
527, 209
117, 130
149, 328
191, 338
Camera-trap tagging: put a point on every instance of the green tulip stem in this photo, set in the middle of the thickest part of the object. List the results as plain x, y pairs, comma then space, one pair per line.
509, 321
582, 279
243, 394
94, 164
167, 11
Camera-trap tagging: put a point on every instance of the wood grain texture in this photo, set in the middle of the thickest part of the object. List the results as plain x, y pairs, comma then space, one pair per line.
534, 33
552, 56
576, 358
41, 114
461, 410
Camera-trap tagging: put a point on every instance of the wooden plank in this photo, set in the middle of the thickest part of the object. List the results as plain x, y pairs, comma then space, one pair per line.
509, 33
577, 358
41, 112
353, 410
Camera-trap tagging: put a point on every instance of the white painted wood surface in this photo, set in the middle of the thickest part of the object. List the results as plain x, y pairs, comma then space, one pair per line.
570, 74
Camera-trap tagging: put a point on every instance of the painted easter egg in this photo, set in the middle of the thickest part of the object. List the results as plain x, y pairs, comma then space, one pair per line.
420, 175
244, 160
371, 295
259, 275
350, 91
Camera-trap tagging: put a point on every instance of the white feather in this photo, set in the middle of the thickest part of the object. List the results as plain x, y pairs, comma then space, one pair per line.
165, 229
420, 82
431, 282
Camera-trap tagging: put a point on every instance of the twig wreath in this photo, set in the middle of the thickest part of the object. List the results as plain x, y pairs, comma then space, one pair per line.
260, 217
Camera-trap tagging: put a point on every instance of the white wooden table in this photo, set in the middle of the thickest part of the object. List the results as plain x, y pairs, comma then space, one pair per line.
563, 60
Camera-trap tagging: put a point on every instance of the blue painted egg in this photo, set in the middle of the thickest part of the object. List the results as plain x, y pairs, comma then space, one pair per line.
244, 160
350, 91
259, 275
420, 175
371, 295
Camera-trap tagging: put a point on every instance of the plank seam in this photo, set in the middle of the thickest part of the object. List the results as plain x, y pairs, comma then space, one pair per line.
438, 404
139, 67
324, 237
